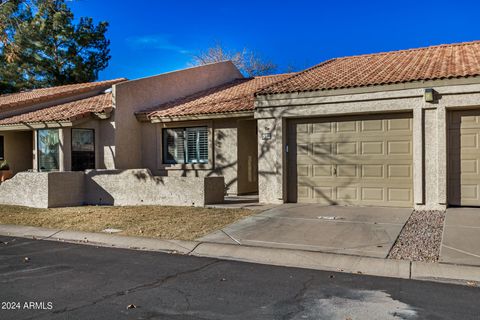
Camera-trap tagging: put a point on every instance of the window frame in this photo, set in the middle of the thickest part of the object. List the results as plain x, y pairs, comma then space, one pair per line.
38, 150
2, 148
186, 161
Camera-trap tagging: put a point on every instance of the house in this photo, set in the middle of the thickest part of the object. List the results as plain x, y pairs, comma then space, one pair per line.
397, 128
103, 143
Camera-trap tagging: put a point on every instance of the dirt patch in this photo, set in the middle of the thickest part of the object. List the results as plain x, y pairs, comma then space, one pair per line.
183, 223
420, 238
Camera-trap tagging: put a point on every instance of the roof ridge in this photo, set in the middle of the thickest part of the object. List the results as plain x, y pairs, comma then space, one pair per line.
295, 75
275, 75
457, 44
66, 86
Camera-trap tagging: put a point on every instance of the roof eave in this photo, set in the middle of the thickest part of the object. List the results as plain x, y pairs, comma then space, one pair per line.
220, 115
25, 126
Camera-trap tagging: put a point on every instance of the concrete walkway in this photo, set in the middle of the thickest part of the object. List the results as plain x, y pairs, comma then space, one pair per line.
461, 237
363, 231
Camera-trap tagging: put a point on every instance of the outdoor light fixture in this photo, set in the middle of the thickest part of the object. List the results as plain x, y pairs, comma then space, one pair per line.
429, 95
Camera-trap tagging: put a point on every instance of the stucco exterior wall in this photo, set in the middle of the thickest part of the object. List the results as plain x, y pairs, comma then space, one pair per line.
141, 94
65, 189
109, 187
224, 146
18, 150
25, 189
139, 187
429, 131
43, 189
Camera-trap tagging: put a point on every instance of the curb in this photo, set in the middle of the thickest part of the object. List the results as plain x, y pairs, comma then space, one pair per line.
100, 239
437, 272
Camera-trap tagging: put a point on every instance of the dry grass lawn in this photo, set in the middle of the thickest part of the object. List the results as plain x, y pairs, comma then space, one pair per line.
183, 223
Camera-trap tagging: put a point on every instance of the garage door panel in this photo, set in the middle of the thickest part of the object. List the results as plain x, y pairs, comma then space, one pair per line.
464, 158
359, 161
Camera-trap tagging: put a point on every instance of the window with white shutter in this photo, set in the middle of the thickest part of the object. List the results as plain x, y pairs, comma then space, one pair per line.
185, 145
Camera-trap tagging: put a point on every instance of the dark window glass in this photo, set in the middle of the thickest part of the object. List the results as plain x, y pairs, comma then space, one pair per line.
185, 145
83, 149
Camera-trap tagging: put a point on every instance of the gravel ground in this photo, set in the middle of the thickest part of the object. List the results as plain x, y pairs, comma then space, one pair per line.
420, 238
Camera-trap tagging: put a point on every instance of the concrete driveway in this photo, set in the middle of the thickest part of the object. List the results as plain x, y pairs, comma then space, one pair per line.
364, 231
461, 236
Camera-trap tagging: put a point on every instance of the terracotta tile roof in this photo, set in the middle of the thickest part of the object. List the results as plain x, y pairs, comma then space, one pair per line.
64, 112
234, 96
430, 63
21, 99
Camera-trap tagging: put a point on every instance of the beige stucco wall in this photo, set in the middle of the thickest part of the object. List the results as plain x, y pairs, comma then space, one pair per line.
429, 130
109, 187
224, 135
141, 94
43, 189
18, 149
140, 187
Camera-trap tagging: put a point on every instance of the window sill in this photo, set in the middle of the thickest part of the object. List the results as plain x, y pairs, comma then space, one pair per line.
189, 166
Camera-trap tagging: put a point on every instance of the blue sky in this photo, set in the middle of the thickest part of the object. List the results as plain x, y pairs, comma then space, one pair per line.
151, 37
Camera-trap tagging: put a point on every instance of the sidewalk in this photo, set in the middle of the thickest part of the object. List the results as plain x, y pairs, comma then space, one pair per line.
440, 272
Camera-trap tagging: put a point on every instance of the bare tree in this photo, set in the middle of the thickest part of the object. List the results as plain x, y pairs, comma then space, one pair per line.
248, 62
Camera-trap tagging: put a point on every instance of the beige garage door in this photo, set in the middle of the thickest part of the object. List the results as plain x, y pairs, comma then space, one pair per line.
352, 161
464, 158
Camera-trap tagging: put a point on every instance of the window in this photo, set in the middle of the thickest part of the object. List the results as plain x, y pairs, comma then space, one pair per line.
48, 143
2, 148
185, 145
83, 149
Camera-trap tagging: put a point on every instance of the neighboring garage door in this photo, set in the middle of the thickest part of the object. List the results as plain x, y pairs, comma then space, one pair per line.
464, 158
361, 160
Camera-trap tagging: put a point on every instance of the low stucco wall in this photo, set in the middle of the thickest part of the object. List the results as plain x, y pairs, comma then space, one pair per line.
26, 189
65, 189
43, 189
109, 187
140, 187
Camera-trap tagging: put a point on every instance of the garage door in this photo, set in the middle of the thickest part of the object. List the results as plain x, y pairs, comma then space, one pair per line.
352, 161
464, 158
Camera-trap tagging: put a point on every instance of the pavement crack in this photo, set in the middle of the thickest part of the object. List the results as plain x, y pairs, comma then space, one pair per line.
297, 299
155, 284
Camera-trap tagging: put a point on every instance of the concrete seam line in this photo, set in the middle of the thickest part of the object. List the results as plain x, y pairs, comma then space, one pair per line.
238, 242
462, 251
443, 233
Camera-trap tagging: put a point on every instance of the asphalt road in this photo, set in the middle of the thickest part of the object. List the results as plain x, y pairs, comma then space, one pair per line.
67, 281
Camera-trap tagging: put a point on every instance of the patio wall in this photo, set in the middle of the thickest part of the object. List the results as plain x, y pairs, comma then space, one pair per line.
109, 187
140, 187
